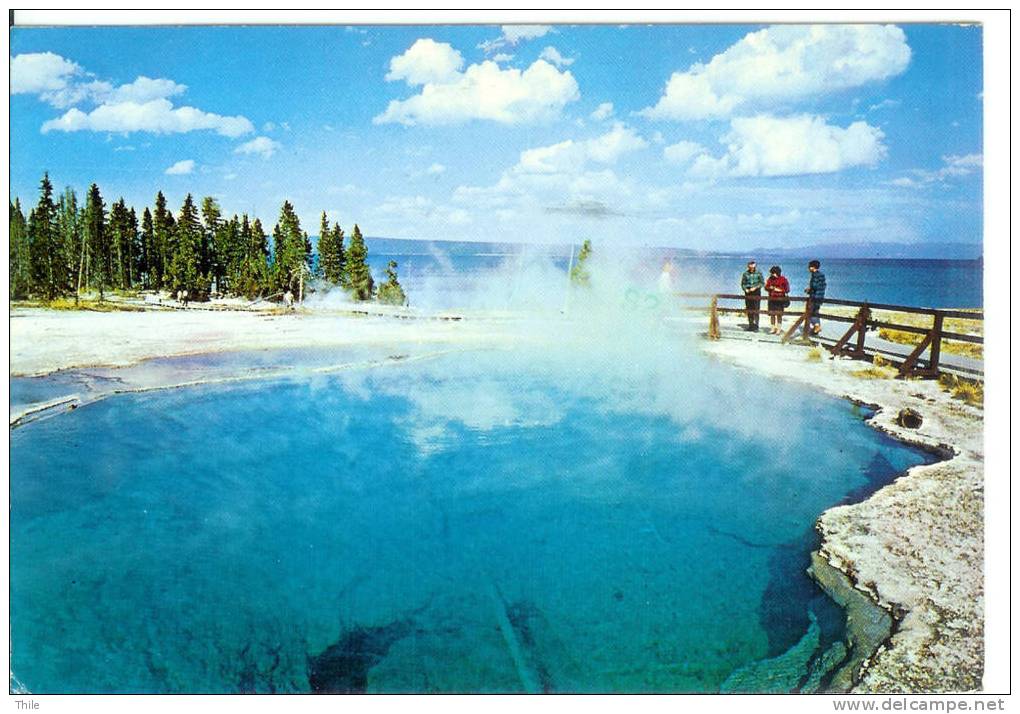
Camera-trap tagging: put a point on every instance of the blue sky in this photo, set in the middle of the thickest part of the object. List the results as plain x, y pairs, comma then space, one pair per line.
696, 136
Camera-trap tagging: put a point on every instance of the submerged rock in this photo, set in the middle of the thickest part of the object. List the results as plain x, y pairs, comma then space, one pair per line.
780, 674
342, 668
867, 624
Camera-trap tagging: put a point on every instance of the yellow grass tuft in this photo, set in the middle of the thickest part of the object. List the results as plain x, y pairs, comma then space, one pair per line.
970, 391
874, 373
814, 355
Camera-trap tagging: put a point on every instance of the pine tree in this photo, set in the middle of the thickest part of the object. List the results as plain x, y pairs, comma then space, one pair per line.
21, 264
360, 277
123, 236
331, 252
254, 278
134, 248
340, 257
147, 251
184, 266
390, 292
211, 223
324, 247
163, 235
48, 265
292, 250
97, 239
69, 222
259, 245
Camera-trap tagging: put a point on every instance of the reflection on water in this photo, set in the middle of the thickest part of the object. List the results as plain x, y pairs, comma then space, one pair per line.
473, 522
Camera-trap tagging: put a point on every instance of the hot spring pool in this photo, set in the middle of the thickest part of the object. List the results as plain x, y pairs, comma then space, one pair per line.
462, 523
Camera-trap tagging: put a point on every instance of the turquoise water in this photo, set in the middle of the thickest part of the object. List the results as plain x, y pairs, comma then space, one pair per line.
463, 523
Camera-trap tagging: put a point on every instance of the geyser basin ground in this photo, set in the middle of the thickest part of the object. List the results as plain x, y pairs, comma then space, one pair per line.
480, 521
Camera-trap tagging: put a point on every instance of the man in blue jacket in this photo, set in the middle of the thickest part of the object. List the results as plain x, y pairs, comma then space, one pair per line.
816, 294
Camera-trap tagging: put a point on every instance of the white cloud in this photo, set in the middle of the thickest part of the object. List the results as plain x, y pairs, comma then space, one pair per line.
487, 91
40, 72
261, 146
567, 178
603, 111
770, 146
416, 210
157, 116
515, 33
551, 54
571, 156
426, 62
59, 82
682, 151
435, 169
905, 182
781, 64
141, 105
502, 57
512, 34
181, 168
952, 166
884, 104
144, 89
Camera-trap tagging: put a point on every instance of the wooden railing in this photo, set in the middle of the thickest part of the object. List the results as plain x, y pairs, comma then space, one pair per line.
852, 343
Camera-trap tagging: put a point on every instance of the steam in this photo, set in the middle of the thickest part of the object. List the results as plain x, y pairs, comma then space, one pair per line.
620, 344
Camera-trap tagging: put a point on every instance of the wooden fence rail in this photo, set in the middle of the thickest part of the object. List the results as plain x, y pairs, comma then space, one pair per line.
852, 343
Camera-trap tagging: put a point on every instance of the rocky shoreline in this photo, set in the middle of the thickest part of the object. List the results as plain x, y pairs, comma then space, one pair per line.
915, 548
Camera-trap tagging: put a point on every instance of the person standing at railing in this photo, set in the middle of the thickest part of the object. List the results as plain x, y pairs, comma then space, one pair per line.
778, 287
751, 282
816, 295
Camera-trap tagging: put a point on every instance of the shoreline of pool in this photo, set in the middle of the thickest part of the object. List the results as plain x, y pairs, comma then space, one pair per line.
915, 547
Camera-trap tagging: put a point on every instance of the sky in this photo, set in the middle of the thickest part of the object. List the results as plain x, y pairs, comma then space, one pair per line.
708, 137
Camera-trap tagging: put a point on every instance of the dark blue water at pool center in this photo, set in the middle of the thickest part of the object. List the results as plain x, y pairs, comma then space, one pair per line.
434, 274
402, 529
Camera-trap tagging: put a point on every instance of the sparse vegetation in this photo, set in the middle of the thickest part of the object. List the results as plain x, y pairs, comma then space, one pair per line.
814, 355
874, 372
971, 391
90, 305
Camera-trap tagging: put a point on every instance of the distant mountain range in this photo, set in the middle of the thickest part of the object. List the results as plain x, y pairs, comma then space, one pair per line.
875, 249
885, 251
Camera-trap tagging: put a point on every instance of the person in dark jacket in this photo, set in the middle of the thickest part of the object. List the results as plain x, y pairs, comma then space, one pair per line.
816, 294
778, 287
751, 282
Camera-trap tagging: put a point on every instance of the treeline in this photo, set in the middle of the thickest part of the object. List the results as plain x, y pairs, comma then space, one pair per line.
63, 249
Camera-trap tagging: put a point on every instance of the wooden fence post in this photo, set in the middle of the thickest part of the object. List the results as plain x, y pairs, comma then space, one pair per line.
713, 319
936, 344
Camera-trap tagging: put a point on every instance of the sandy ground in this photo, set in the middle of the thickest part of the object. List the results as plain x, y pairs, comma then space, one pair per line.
916, 546
43, 341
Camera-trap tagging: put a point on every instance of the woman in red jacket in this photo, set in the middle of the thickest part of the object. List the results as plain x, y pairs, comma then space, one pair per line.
778, 288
